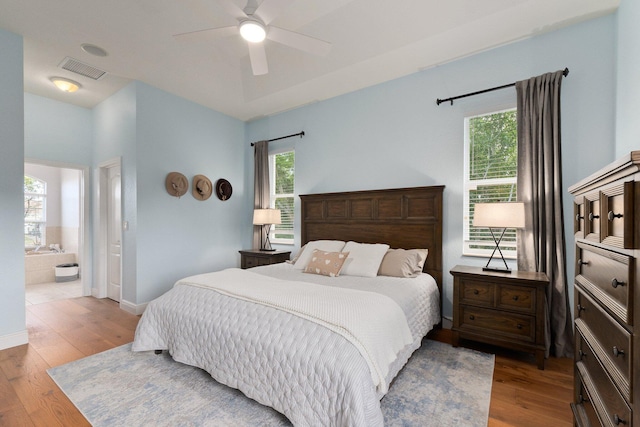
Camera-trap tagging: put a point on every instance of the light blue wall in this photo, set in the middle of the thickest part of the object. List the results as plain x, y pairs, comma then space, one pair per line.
57, 131
394, 134
12, 307
178, 237
628, 83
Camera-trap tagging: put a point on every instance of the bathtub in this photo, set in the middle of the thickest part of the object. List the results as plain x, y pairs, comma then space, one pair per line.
39, 267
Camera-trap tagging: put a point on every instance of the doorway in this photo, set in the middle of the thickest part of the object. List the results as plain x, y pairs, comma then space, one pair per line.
56, 215
110, 258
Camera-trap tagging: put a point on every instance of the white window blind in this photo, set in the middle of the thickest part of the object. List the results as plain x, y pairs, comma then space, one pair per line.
282, 170
491, 168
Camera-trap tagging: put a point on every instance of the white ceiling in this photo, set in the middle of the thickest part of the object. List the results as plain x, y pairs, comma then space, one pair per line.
372, 41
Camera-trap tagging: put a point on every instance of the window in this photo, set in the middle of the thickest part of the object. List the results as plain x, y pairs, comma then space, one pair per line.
491, 168
35, 199
282, 170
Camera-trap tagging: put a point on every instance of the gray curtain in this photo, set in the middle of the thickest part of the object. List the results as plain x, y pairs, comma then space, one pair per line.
260, 185
541, 244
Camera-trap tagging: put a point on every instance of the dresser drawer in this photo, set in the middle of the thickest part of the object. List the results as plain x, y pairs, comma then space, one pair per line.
517, 298
609, 404
616, 205
583, 411
477, 292
609, 341
607, 276
498, 323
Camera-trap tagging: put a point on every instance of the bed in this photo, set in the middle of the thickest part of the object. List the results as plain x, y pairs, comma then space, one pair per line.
321, 350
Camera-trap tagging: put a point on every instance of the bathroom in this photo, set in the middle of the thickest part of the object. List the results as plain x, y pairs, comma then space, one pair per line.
52, 232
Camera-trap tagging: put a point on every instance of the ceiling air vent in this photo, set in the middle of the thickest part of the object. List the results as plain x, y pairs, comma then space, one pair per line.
83, 69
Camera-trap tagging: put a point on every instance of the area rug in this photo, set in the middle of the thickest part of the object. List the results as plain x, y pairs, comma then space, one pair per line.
440, 386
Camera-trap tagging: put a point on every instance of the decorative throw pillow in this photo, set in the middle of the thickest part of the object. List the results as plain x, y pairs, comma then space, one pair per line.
403, 263
324, 245
326, 263
364, 259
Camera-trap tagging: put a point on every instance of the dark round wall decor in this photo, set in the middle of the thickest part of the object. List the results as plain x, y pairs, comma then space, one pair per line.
223, 189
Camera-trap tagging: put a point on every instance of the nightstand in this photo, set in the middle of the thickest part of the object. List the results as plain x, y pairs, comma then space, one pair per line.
503, 309
255, 257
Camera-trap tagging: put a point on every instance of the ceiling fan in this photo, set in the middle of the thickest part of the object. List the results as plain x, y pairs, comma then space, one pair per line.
253, 26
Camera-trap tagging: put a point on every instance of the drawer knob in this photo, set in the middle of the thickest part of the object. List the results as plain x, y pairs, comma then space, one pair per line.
519, 326
578, 217
615, 283
476, 292
581, 262
580, 308
515, 298
617, 420
592, 216
613, 216
581, 398
472, 317
581, 354
617, 351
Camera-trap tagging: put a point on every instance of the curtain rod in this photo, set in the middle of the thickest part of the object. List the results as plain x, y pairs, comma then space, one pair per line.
440, 101
301, 134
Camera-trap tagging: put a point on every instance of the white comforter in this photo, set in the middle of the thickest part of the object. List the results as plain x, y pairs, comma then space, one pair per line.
301, 368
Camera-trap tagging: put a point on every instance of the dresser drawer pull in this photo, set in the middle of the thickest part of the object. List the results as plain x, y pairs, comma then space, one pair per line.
582, 354
612, 215
617, 420
592, 216
519, 326
581, 398
581, 262
615, 283
476, 292
516, 298
580, 308
578, 217
617, 351
472, 317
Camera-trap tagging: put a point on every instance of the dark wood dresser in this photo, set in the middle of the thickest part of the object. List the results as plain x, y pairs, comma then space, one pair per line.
255, 257
505, 309
607, 239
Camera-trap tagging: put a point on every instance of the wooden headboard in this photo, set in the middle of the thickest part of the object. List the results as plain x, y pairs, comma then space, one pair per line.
408, 218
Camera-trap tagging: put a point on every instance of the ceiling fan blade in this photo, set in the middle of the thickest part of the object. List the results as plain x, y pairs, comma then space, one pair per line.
233, 10
269, 9
258, 57
298, 41
207, 35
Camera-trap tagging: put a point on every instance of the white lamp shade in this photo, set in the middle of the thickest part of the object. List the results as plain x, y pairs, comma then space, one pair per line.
266, 216
499, 215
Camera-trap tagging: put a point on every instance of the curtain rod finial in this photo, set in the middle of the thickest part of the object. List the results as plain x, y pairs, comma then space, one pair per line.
565, 72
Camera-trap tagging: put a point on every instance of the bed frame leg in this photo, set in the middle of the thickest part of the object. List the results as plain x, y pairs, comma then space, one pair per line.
158, 351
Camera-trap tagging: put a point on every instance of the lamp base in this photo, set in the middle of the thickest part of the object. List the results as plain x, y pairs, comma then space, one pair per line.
498, 270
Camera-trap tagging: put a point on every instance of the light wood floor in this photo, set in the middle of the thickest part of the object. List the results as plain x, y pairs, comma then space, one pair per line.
67, 330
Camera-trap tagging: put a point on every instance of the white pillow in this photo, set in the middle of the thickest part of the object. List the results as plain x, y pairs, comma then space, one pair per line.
364, 259
307, 251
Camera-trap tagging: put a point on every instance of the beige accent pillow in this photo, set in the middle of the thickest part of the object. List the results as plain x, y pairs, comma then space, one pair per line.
326, 263
403, 262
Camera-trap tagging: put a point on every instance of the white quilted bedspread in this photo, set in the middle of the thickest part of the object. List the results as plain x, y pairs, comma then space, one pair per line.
301, 368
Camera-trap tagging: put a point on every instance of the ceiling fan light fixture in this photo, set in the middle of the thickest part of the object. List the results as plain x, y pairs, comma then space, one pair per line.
252, 31
65, 85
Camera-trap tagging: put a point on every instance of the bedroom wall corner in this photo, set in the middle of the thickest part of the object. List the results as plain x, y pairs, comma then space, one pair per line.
13, 329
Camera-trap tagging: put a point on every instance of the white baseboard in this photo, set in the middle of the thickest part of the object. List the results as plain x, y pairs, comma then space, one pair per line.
14, 340
132, 308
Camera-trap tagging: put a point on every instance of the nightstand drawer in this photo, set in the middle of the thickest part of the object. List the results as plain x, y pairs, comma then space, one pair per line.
517, 298
476, 292
609, 341
607, 276
498, 323
255, 258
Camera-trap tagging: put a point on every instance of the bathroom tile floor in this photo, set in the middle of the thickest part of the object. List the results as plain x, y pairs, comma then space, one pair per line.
45, 292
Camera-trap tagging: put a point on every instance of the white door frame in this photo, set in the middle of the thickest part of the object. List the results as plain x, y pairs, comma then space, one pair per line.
84, 249
102, 191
